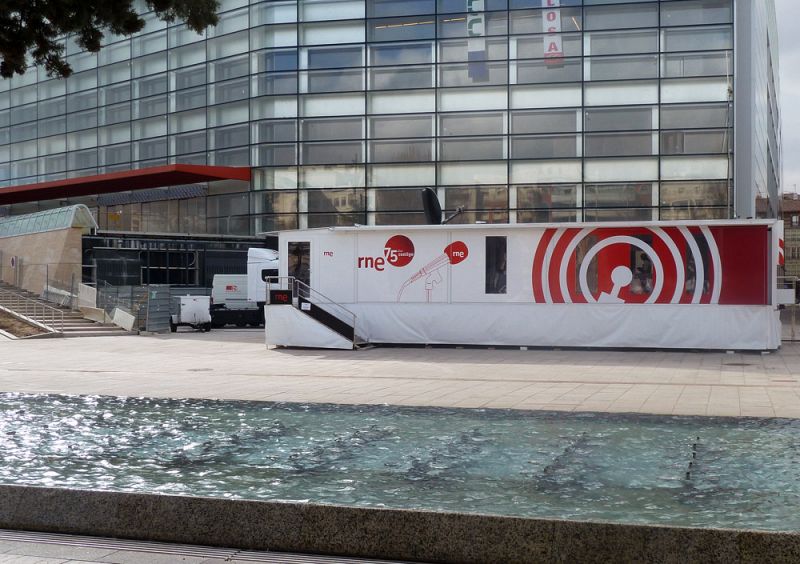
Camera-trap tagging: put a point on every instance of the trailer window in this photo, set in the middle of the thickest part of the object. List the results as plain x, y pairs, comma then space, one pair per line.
496, 265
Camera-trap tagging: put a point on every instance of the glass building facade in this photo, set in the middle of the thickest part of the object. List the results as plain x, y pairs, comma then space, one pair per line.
515, 110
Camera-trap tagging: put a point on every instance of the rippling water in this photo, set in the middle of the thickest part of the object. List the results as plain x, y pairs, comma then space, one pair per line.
744, 472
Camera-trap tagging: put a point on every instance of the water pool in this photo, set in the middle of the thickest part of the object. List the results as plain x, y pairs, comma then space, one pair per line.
695, 471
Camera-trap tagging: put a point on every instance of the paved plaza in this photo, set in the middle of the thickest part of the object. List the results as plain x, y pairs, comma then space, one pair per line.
235, 364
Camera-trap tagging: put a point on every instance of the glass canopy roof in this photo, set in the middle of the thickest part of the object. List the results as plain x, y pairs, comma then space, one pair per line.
77, 216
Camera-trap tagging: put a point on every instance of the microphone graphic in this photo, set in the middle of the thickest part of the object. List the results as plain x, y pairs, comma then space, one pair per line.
453, 253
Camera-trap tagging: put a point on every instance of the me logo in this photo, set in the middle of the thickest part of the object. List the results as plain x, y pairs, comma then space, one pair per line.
398, 251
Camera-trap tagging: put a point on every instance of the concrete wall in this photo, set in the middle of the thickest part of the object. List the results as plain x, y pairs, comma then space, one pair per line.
378, 533
53, 255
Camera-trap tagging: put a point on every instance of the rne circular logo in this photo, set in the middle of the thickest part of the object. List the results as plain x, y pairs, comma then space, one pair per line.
399, 250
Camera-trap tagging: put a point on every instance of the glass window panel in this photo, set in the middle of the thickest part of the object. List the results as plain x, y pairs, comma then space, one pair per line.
227, 45
228, 113
473, 74
22, 114
333, 105
186, 56
620, 68
546, 216
82, 159
401, 54
153, 127
644, 214
317, 10
545, 121
482, 198
227, 204
471, 124
273, 107
401, 151
331, 33
668, 214
52, 88
334, 57
696, 116
402, 175
151, 149
233, 67
229, 91
276, 155
548, 196
709, 89
52, 126
26, 95
545, 147
189, 99
705, 64
115, 154
618, 119
458, 50
536, 47
387, 199
148, 107
620, 170
23, 132
332, 153
695, 142
618, 144
80, 81
395, 127
273, 12
384, 8
147, 44
331, 129
150, 86
696, 12
82, 101
402, 29
274, 202
275, 131
401, 78
692, 194
470, 217
187, 121
620, 17
116, 52
190, 77
336, 201
277, 83
410, 101
331, 176
115, 93
469, 173
335, 80
273, 36
189, 142
115, 114
456, 25
271, 223
470, 99
231, 136
620, 42
114, 73
698, 39
151, 64
82, 120
276, 61
532, 21
618, 195
536, 72
480, 148
337, 219
409, 218
229, 22
114, 134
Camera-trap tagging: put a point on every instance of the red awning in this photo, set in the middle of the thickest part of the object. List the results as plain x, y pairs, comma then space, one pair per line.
139, 179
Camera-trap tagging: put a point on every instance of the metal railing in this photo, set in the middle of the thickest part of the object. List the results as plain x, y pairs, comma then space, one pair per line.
48, 316
302, 290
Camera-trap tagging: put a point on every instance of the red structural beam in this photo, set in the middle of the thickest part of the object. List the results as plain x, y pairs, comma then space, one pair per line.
139, 179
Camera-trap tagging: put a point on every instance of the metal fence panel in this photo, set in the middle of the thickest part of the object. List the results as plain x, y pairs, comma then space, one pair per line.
158, 308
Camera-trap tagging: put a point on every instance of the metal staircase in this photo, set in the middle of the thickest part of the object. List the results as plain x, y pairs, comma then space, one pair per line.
53, 318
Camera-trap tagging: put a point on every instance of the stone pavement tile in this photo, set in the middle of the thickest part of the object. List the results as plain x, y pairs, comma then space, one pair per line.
57, 551
139, 557
22, 559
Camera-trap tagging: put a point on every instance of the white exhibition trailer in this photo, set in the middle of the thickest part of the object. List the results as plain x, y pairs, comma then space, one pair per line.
684, 285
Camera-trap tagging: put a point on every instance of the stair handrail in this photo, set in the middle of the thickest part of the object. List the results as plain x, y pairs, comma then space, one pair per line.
303, 290
51, 317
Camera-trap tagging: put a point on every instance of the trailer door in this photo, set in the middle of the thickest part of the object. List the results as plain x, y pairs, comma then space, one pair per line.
299, 263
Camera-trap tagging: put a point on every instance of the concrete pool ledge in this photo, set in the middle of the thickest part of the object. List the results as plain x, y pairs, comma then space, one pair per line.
377, 533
